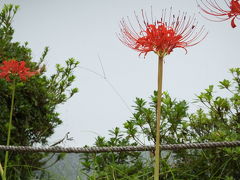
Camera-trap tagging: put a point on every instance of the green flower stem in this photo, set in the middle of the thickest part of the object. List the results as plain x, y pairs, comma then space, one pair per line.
1, 170
9, 130
159, 100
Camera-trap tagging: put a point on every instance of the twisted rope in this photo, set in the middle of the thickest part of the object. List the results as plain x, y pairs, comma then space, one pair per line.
57, 149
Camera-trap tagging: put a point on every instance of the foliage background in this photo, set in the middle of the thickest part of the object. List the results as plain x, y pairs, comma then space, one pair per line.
217, 119
35, 115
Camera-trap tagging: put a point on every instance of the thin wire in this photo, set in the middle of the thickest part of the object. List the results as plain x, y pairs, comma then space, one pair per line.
174, 147
103, 76
119, 95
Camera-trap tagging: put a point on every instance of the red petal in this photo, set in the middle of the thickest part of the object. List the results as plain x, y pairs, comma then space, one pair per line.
233, 23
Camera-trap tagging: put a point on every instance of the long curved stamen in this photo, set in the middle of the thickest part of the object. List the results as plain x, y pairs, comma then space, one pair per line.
213, 8
163, 35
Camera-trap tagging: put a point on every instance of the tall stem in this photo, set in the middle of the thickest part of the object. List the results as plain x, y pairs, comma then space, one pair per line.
9, 130
1, 170
159, 100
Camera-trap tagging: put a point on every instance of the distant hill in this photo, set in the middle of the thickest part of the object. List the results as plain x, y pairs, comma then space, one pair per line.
66, 169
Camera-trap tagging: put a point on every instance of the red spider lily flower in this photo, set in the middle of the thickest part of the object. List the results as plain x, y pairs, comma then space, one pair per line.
211, 7
13, 68
163, 35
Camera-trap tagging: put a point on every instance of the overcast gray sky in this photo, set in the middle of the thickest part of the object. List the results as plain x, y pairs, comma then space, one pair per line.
86, 29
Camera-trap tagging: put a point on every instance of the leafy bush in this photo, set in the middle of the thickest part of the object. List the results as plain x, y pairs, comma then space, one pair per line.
35, 115
218, 119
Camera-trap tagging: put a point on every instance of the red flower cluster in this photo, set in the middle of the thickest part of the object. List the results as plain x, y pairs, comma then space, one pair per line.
13, 68
211, 7
161, 36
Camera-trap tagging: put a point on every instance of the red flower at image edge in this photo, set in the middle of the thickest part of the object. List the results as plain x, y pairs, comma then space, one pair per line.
211, 7
15, 68
161, 36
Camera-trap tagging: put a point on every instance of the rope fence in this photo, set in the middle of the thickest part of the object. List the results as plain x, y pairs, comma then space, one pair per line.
58, 149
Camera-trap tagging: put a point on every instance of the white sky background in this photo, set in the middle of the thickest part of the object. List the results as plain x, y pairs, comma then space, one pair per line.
86, 29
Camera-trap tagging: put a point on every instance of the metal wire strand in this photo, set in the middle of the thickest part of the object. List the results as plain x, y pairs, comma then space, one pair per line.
58, 149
